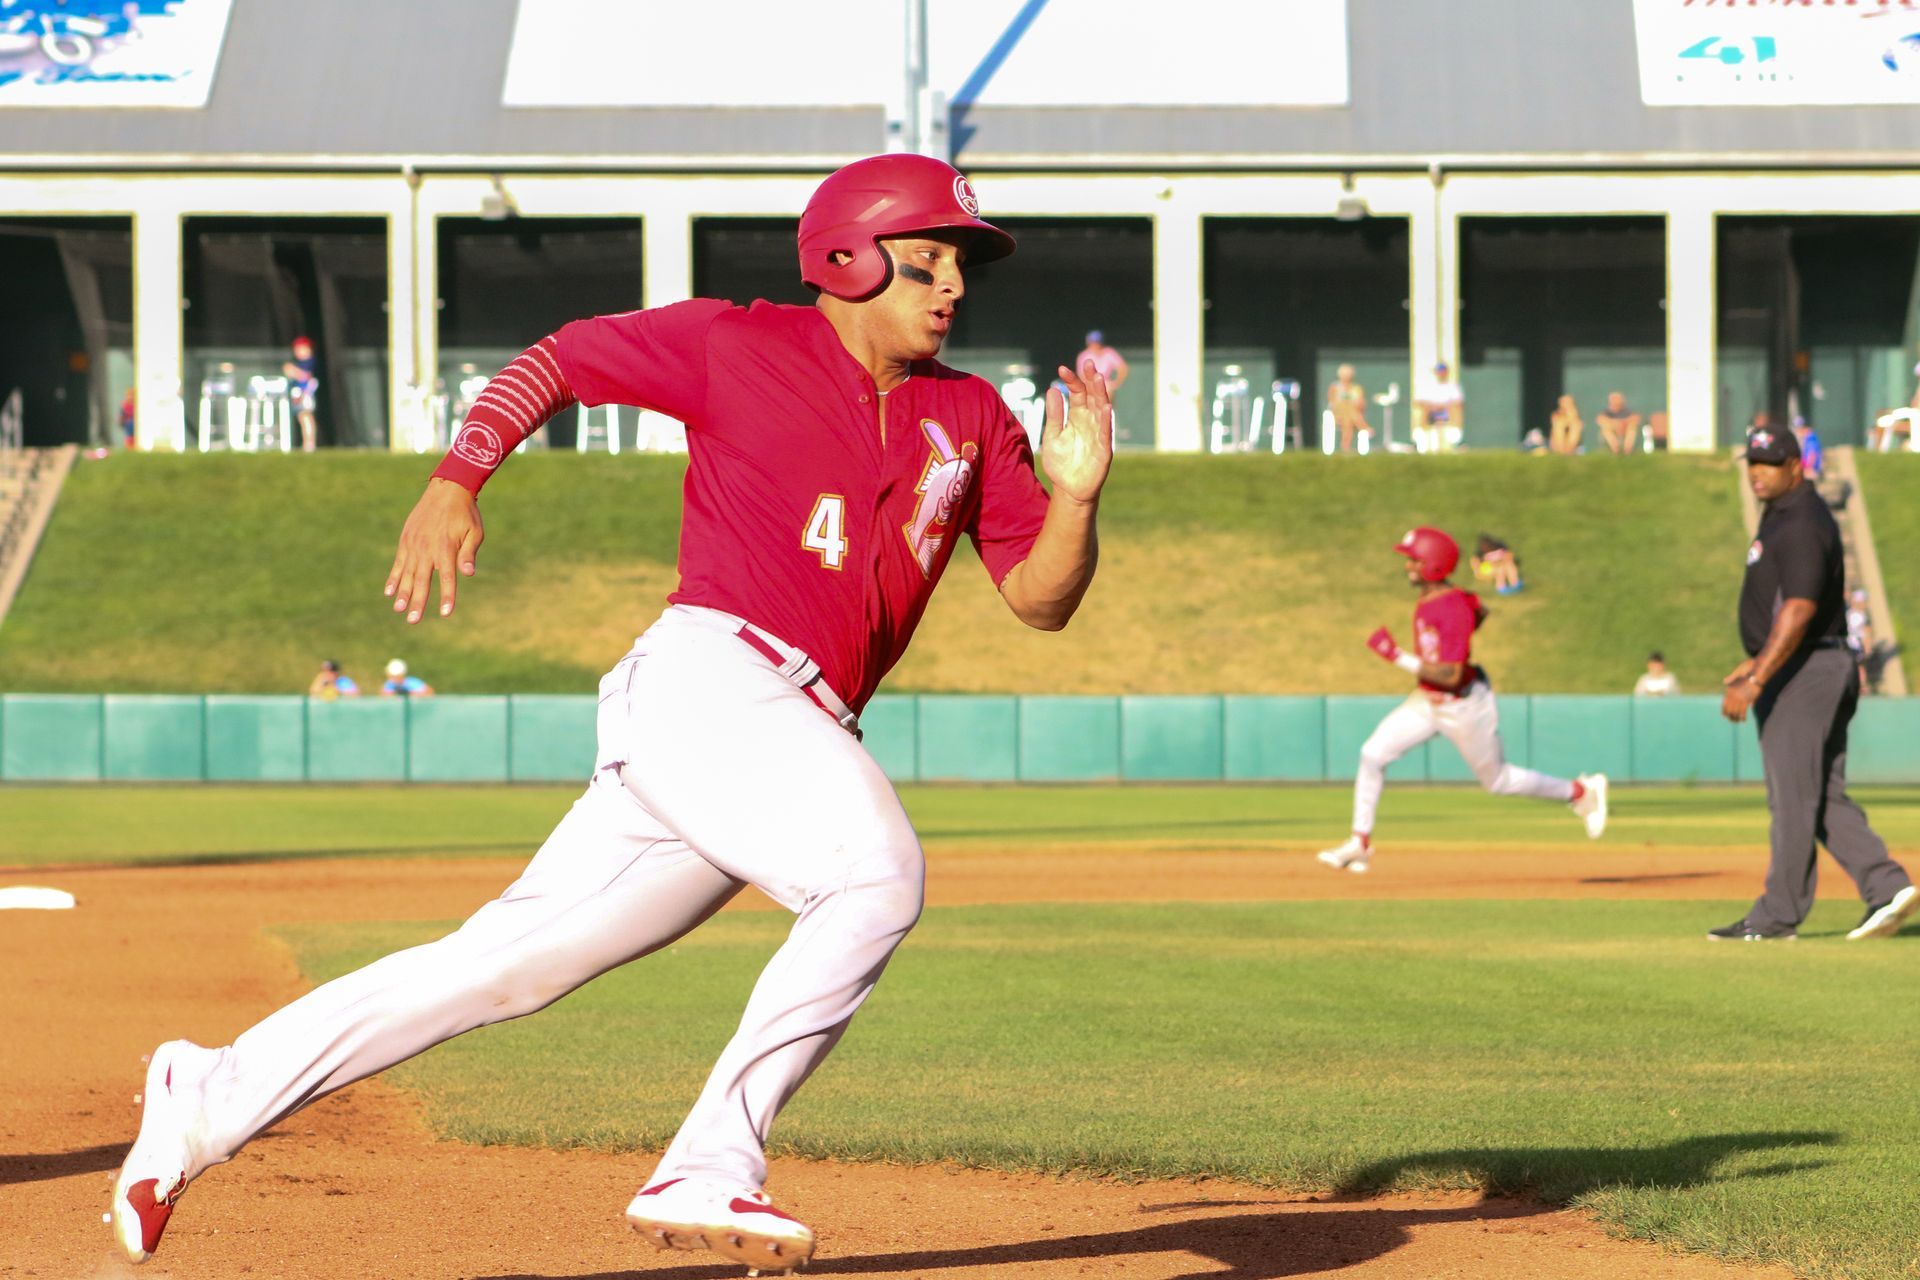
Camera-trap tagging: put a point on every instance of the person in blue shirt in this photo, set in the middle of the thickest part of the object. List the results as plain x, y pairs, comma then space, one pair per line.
401, 685
1812, 457
303, 381
331, 682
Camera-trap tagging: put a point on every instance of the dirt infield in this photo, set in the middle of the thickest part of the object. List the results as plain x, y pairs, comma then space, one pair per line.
356, 1187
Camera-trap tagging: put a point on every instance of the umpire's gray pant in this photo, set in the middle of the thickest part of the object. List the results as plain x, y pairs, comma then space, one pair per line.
1803, 719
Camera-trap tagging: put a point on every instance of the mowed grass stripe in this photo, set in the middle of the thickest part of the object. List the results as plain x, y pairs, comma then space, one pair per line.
1750, 1101
143, 824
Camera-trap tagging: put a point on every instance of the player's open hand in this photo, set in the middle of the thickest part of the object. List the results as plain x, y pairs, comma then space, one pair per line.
1076, 442
442, 531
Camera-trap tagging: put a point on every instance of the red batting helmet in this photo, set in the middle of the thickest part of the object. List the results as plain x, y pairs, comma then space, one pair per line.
890, 195
1432, 550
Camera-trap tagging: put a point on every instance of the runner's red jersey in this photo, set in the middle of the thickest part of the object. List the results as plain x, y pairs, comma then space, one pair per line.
1443, 625
800, 515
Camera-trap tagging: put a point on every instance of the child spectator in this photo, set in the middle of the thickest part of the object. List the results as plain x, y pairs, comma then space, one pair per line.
1494, 561
1656, 681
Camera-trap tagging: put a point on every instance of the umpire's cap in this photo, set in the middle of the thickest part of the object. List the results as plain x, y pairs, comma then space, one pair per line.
1772, 446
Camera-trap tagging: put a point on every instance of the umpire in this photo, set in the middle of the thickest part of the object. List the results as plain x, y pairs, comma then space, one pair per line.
1803, 685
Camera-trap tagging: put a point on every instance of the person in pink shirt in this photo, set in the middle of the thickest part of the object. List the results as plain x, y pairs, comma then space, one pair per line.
1111, 364
834, 463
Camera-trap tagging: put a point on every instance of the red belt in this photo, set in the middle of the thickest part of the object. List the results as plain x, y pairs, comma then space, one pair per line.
804, 673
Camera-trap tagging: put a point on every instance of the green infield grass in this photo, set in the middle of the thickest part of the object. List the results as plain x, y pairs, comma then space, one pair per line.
1249, 574
1751, 1101
54, 825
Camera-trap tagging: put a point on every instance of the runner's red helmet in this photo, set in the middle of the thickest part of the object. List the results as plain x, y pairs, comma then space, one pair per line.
1432, 550
890, 195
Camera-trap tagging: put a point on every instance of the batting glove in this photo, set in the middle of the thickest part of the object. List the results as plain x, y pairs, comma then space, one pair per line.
1381, 642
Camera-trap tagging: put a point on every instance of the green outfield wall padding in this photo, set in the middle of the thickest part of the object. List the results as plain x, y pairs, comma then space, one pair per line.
965, 738
155, 739
1351, 720
1681, 739
256, 739
889, 729
357, 740
1747, 763
1173, 738
1069, 739
1273, 738
457, 739
52, 737
1575, 733
552, 737
931, 737
1883, 742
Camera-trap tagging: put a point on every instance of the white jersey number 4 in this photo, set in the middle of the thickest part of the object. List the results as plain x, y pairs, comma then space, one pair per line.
825, 535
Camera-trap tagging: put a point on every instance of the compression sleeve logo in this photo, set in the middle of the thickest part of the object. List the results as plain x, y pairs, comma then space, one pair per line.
109, 53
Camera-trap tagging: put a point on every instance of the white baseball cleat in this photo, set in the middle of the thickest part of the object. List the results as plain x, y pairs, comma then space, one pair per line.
1884, 922
1356, 855
1591, 807
155, 1171
737, 1223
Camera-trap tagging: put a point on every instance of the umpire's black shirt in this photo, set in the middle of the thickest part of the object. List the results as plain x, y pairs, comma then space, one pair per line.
1796, 555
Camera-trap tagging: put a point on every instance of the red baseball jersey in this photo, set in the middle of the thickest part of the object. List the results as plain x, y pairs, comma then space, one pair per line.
801, 514
1443, 625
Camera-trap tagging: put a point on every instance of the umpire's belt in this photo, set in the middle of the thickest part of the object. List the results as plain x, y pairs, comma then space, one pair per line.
795, 666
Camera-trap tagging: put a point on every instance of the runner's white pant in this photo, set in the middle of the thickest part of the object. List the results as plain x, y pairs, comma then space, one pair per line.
714, 772
1471, 722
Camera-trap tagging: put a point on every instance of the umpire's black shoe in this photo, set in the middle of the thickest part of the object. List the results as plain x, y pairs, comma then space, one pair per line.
1744, 930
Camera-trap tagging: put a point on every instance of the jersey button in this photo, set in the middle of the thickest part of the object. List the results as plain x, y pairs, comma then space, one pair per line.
865, 398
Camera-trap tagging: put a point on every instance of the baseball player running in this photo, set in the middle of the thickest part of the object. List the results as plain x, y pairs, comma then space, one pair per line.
1453, 698
833, 463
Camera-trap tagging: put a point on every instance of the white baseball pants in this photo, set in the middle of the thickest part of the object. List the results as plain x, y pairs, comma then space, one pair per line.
714, 772
1471, 722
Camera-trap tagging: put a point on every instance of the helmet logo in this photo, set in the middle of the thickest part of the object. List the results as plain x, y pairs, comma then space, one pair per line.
963, 195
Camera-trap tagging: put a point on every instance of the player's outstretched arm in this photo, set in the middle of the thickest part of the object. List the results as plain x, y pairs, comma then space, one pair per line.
442, 531
1076, 452
444, 528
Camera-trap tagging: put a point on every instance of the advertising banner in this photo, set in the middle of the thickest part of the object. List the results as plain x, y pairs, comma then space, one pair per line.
773, 53
1778, 53
109, 53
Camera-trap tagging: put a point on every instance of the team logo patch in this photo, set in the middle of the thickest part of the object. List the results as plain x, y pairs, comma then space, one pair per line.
1753, 551
479, 445
943, 485
1761, 439
963, 195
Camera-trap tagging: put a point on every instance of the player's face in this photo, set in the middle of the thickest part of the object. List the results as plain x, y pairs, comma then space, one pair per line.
915, 312
1413, 573
1769, 480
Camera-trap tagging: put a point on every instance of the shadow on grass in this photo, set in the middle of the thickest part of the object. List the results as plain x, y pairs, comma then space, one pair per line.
39, 1167
1309, 1239
1561, 1174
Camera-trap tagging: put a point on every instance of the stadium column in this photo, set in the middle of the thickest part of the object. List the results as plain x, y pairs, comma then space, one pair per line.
158, 329
1433, 290
1691, 303
409, 386
666, 272
1178, 335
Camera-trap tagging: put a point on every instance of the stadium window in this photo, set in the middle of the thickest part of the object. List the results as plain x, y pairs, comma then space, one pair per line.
254, 284
1819, 317
66, 333
1553, 306
1293, 299
745, 259
505, 283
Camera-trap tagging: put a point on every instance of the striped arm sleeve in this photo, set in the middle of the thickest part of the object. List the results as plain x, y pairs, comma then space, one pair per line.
515, 404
